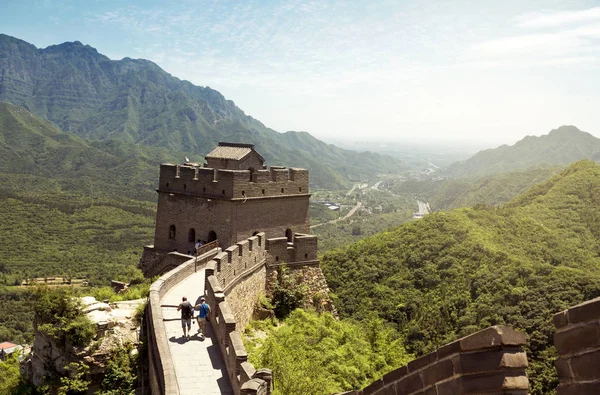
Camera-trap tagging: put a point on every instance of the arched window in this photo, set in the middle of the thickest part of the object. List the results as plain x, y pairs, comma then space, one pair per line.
212, 236
290, 235
192, 235
172, 232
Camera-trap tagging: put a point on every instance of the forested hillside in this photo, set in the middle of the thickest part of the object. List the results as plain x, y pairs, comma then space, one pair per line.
561, 146
452, 273
68, 208
135, 101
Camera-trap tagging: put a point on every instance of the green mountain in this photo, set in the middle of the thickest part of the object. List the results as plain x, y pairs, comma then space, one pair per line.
135, 101
64, 200
561, 146
452, 273
29, 145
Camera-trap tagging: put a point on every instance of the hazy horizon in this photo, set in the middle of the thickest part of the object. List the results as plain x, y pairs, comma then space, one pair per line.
420, 72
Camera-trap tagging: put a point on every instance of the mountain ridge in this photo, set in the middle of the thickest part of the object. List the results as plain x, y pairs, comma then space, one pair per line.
561, 146
86, 93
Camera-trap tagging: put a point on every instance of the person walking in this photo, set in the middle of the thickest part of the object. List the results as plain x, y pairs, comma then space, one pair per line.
203, 315
187, 311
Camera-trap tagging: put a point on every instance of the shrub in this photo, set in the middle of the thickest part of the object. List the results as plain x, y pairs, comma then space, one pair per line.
288, 294
59, 315
120, 377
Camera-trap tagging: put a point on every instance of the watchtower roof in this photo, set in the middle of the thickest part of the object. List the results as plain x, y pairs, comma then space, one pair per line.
234, 151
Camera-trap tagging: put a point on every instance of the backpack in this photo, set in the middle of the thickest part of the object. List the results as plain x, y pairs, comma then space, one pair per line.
186, 310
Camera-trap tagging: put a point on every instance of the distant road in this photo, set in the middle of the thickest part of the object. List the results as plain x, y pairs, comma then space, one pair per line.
333, 221
423, 209
353, 188
376, 186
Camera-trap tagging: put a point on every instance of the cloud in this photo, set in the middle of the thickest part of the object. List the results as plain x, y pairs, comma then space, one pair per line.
558, 18
551, 39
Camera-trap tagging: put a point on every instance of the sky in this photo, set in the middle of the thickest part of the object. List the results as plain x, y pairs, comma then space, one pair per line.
428, 71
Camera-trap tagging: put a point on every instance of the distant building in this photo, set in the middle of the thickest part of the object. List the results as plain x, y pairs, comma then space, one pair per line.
7, 348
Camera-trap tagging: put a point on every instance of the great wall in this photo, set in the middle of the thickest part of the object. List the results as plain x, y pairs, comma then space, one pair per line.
243, 204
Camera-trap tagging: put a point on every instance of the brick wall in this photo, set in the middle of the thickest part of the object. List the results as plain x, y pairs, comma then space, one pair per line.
302, 251
231, 218
212, 183
241, 272
244, 378
491, 361
153, 263
577, 342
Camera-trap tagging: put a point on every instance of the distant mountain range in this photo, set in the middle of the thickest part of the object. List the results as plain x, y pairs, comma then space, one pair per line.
561, 146
135, 101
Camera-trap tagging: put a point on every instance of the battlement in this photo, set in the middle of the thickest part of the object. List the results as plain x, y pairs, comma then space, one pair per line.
302, 250
237, 260
232, 184
491, 361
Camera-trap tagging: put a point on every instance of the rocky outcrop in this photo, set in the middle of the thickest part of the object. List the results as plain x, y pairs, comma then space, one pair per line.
116, 325
310, 278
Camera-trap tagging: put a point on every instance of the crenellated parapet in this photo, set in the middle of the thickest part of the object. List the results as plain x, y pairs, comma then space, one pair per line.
491, 361
238, 260
301, 251
577, 342
232, 184
234, 279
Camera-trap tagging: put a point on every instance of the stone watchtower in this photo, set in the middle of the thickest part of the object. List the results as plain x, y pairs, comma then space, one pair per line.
234, 197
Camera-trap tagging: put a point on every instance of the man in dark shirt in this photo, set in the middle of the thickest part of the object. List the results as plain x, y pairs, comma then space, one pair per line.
187, 310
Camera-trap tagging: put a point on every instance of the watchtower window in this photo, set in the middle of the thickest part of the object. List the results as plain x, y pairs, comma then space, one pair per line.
276, 259
244, 193
290, 235
282, 190
212, 236
184, 186
192, 235
263, 191
203, 189
172, 232
299, 189
223, 192
167, 185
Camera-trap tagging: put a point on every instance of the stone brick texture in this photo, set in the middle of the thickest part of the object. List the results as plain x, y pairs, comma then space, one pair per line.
491, 361
243, 376
228, 203
577, 341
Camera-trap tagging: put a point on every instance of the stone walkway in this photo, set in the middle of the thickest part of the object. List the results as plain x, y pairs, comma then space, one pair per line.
198, 363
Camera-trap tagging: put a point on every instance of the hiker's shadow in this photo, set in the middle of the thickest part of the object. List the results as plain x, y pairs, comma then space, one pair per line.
178, 340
